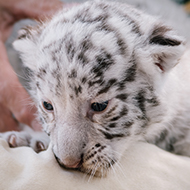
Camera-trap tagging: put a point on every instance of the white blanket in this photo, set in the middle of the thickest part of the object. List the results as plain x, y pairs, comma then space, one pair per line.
144, 167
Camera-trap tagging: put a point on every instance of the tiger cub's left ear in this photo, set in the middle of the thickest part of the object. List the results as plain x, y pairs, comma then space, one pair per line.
166, 47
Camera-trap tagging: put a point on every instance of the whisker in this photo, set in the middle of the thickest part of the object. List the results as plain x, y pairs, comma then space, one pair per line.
102, 171
116, 174
119, 154
120, 168
22, 77
109, 164
118, 164
86, 174
93, 171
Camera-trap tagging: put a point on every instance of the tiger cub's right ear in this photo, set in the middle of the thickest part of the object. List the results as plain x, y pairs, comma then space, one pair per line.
26, 44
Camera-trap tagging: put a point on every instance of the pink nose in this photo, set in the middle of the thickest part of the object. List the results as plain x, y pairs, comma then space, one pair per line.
73, 165
69, 163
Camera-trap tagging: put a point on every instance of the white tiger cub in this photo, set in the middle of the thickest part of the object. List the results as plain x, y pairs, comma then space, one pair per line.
104, 75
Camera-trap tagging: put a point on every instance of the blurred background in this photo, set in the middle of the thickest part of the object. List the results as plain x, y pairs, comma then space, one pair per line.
174, 12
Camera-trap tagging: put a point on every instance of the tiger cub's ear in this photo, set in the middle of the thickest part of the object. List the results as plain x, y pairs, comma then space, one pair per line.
26, 44
166, 47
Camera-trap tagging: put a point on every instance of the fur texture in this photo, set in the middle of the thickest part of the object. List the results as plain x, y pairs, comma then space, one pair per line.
113, 56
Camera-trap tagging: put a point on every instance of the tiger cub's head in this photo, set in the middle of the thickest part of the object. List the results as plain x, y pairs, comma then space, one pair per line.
96, 74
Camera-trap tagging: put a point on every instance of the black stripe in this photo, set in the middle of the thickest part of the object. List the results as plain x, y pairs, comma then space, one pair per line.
38, 85
158, 37
130, 74
128, 124
115, 118
73, 74
112, 125
109, 84
92, 83
161, 40
77, 90
140, 101
83, 80
123, 112
104, 61
111, 136
122, 97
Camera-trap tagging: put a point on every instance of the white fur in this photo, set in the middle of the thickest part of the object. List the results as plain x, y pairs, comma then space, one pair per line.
72, 124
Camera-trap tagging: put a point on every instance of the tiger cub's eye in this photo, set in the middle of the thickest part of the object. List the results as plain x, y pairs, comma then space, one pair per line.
98, 107
47, 106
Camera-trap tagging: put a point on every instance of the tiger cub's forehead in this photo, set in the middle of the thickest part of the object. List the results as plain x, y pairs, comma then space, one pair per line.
86, 32
89, 48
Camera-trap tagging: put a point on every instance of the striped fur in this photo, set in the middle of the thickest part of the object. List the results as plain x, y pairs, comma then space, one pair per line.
96, 52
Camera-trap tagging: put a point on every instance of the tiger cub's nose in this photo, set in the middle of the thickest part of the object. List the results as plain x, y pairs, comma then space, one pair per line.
69, 163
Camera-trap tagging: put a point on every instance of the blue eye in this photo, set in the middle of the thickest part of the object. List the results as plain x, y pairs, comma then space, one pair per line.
98, 107
47, 106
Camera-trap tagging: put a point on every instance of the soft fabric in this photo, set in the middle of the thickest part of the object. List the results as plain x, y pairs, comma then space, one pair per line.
144, 167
